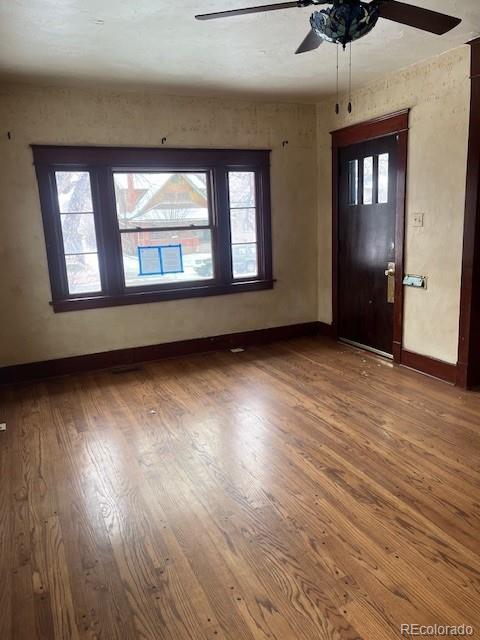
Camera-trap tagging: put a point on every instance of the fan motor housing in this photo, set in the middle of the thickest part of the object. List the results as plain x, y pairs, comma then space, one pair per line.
346, 21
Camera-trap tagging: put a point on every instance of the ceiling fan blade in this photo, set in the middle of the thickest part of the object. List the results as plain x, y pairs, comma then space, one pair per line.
241, 12
312, 41
424, 19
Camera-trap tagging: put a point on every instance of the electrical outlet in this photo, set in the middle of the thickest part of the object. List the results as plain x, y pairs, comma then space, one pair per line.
3, 426
417, 220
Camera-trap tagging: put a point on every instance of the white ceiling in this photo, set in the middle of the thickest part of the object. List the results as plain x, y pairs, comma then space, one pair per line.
157, 43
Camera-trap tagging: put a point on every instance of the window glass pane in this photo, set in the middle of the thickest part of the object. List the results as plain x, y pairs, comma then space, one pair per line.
368, 180
241, 188
83, 273
383, 178
243, 225
74, 193
353, 182
197, 256
244, 259
161, 199
79, 233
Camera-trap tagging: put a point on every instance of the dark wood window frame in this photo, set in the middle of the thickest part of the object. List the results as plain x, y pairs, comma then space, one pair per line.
100, 162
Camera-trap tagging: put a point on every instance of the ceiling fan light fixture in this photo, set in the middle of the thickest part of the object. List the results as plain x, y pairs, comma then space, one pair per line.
349, 20
345, 22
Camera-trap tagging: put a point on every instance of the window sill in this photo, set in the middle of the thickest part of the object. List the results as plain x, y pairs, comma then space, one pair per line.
144, 297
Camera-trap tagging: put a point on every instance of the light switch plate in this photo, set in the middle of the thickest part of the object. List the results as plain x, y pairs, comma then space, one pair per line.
417, 220
3, 426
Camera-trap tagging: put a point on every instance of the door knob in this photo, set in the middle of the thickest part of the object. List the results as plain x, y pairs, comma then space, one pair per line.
390, 273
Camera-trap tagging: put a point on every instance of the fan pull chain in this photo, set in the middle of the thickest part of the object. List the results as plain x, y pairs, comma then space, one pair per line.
350, 82
337, 106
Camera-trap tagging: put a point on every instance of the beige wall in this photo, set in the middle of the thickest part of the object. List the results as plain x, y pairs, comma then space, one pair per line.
30, 331
437, 91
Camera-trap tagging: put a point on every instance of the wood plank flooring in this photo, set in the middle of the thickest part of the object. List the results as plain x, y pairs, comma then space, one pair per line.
297, 491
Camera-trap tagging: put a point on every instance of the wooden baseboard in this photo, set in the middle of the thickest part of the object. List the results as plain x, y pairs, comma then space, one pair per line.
324, 329
430, 366
126, 357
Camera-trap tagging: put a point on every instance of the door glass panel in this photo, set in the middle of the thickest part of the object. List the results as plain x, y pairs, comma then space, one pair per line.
368, 180
353, 182
383, 161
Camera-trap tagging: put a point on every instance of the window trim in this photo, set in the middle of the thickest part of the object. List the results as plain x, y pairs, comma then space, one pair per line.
101, 163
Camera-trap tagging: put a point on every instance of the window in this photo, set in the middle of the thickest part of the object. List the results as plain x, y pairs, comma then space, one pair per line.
383, 162
161, 209
374, 180
368, 180
78, 231
125, 226
353, 182
243, 225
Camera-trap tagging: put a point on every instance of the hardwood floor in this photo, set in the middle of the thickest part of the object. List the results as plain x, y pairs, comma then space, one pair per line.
301, 490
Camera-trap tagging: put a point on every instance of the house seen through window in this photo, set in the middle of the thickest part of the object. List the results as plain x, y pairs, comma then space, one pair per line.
164, 209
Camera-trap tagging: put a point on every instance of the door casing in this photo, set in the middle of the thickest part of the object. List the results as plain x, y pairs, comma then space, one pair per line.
392, 124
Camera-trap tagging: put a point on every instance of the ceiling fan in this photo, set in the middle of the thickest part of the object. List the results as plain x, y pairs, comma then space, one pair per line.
349, 20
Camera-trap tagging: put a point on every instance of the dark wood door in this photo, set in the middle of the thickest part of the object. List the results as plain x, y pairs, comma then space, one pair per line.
366, 242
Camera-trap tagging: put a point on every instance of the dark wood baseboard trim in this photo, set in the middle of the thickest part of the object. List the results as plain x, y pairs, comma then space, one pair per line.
326, 330
135, 355
430, 366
